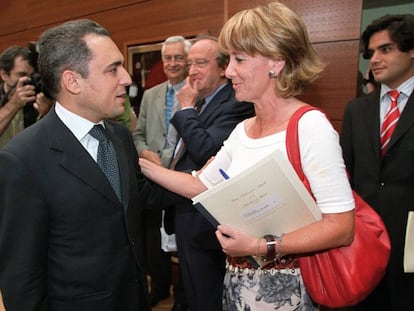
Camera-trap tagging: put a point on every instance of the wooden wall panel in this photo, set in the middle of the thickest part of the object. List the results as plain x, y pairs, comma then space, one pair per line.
333, 25
69, 9
330, 20
337, 85
327, 20
11, 18
22, 15
133, 21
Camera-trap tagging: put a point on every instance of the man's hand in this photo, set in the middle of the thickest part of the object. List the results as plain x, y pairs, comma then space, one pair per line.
22, 94
42, 104
187, 96
17, 99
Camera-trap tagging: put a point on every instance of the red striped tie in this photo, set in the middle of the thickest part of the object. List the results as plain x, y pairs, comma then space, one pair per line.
390, 121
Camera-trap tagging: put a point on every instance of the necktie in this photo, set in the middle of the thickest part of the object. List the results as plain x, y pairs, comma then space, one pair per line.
180, 145
106, 158
169, 106
390, 121
199, 105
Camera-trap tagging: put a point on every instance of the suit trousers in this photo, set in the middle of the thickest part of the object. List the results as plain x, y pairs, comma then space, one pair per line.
202, 267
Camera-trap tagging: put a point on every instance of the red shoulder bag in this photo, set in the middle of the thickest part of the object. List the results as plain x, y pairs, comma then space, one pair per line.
345, 275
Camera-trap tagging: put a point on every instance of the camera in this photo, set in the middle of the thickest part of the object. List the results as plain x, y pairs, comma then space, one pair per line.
36, 81
34, 78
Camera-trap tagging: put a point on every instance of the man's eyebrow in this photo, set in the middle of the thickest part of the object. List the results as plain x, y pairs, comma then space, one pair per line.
115, 64
382, 46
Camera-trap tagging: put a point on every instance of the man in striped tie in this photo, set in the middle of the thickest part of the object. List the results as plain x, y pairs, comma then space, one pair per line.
378, 145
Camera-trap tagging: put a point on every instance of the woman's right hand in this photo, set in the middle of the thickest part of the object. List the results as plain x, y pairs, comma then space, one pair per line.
147, 166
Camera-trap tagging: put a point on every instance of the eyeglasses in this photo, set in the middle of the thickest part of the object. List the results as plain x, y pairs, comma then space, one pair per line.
177, 58
199, 63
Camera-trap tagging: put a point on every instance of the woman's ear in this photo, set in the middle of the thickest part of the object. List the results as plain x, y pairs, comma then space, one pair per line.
277, 65
70, 81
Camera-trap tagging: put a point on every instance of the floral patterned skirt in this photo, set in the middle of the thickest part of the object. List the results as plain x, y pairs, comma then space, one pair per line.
273, 289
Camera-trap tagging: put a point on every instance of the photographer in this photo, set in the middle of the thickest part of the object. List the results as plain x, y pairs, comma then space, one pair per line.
16, 92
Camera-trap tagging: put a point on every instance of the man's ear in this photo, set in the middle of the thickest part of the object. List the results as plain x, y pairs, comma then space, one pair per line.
70, 81
4, 76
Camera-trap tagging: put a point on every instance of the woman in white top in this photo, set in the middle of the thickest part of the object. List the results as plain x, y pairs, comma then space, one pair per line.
271, 62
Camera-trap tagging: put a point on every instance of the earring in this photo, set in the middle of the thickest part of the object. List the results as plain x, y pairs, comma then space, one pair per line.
272, 74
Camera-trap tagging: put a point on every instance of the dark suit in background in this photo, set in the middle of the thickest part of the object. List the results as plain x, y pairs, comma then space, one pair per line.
386, 184
202, 130
155, 140
202, 261
386, 181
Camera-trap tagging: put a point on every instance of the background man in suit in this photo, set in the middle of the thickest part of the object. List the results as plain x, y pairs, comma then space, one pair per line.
69, 239
202, 262
385, 179
151, 139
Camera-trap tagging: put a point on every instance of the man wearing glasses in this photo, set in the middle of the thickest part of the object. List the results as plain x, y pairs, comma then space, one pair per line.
155, 140
208, 113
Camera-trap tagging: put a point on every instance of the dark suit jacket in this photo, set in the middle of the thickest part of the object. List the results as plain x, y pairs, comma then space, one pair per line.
203, 136
386, 184
202, 262
66, 242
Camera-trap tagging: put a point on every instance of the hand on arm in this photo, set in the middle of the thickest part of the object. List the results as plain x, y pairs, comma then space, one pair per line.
181, 183
150, 156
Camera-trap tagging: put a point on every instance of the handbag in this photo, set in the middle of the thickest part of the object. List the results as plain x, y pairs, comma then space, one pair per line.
168, 241
345, 275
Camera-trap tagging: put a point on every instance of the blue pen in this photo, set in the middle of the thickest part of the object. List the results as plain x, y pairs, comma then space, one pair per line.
223, 173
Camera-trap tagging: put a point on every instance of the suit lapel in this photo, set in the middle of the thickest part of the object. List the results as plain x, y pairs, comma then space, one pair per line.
75, 159
405, 122
217, 100
370, 111
210, 112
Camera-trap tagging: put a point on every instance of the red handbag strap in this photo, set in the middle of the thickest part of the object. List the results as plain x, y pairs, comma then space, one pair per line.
292, 142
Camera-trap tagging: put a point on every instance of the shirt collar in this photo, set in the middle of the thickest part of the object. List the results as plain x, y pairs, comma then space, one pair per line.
405, 88
210, 97
78, 125
177, 86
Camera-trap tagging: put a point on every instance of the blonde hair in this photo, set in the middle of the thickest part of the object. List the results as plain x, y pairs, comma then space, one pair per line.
276, 32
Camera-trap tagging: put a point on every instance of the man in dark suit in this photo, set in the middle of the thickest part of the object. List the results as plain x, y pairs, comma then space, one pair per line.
202, 131
69, 239
151, 137
382, 170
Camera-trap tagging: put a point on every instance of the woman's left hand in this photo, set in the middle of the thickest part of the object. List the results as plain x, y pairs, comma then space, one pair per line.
235, 242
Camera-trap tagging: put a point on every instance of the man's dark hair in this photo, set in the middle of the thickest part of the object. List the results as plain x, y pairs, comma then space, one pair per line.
63, 47
10, 54
400, 28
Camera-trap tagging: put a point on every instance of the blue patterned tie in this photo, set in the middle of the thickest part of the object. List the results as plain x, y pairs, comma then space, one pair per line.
106, 158
169, 106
